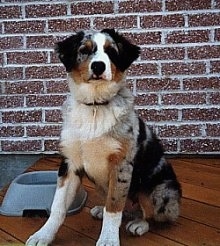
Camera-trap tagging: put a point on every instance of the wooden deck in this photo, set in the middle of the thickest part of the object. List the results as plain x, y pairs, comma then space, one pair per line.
199, 223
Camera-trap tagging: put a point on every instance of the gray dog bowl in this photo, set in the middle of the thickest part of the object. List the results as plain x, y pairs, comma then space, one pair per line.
34, 191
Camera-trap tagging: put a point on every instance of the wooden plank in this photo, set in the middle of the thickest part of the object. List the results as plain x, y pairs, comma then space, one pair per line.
200, 212
46, 164
195, 166
190, 233
27, 226
200, 194
212, 162
6, 239
84, 223
198, 177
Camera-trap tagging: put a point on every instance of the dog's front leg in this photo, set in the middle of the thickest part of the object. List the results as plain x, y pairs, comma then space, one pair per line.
119, 183
66, 190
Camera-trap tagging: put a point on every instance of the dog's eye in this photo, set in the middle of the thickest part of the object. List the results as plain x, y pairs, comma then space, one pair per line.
85, 50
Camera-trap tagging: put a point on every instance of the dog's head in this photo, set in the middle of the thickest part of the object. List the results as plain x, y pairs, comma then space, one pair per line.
98, 59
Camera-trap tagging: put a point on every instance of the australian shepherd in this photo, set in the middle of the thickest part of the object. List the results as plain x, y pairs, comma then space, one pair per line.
103, 138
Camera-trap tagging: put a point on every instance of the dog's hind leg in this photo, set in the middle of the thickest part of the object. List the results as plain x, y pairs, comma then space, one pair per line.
67, 186
166, 201
119, 182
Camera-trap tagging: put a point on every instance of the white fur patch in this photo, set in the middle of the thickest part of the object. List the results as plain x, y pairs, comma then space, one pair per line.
110, 229
137, 227
100, 55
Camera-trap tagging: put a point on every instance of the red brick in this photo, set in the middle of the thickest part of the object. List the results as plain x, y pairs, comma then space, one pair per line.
210, 19
202, 83
162, 21
214, 98
40, 41
26, 57
215, 66
54, 58
118, 22
217, 34
179, 131
146, 99
144, 38
45, 10
9, 73
162, 53
51, 145
213, 130
10, 12
170, 145
53, 115
24, 87
184, 98
141, 6
204, 52
11, 101
183, 68
11, 131
199, 145
11, 42
22, 116
44, 72
25, 27
176, 5
143, 69
92, 8
195, 36
43, 131
25, 145
151, 84
57, 87
196, 114
45, 100
158, 115
67, 25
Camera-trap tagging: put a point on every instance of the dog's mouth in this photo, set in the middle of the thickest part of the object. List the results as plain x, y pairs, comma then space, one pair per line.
98, 78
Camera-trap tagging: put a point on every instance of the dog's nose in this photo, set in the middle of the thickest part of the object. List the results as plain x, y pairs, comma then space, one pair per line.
98, 67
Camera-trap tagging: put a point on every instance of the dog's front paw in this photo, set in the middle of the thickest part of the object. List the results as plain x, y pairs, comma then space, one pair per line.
107, 242
97, 212
39, 239
137, 227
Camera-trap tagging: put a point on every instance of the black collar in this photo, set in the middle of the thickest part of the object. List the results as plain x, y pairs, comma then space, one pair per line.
97, 103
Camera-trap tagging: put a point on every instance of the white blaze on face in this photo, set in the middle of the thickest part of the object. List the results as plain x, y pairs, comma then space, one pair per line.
100, 55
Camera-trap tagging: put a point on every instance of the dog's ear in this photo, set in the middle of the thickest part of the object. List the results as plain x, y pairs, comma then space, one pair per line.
127, 52
67, 50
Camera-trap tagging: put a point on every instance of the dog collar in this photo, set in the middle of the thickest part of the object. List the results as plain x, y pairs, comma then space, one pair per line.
97, 103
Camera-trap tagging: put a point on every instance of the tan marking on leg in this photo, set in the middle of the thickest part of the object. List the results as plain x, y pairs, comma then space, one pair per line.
117, 191
145, 205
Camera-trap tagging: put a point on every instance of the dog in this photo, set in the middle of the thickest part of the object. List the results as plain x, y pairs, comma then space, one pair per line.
103, 138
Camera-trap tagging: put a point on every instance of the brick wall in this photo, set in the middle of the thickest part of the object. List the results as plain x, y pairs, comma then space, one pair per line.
176, 81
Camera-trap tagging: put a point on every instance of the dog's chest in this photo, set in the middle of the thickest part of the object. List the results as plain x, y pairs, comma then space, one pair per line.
84, 123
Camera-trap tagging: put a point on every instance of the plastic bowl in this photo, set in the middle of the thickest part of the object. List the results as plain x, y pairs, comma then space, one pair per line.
34, 191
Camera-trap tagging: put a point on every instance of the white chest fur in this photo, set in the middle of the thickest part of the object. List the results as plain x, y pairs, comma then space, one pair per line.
83, 122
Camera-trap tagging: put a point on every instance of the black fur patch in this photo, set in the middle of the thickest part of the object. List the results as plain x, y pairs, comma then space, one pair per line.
146, 176
80, 172
63, 170
68, 50
127, 52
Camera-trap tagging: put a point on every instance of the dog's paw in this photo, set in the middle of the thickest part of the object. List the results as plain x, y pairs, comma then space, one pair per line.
39, 239
108, 242
97, 212
137, 227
